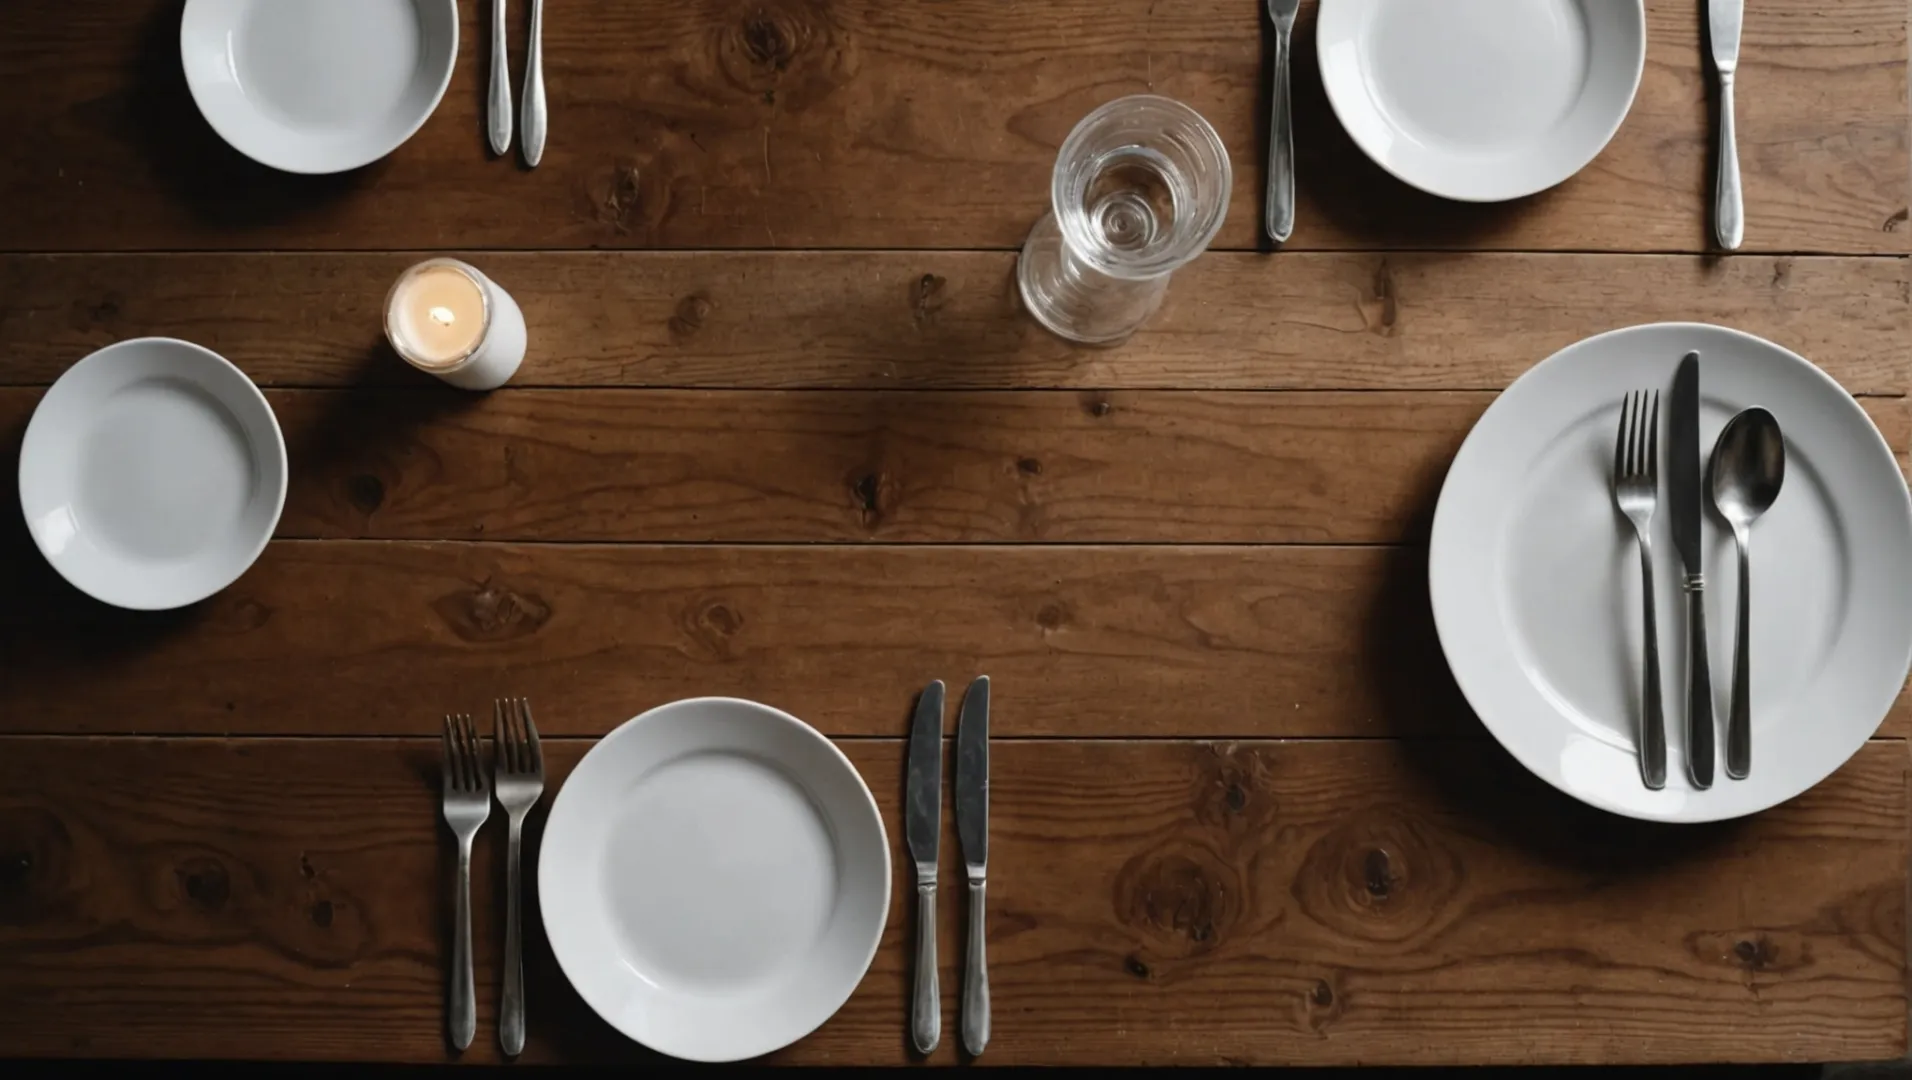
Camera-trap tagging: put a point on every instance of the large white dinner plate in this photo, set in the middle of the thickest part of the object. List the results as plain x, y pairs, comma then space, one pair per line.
1535, 576
714, 879
1481, 100
318, 86
152, 473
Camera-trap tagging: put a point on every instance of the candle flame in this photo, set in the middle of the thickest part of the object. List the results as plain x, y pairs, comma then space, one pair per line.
443, 316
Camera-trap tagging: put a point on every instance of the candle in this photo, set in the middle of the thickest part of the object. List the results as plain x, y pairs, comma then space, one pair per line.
444, 317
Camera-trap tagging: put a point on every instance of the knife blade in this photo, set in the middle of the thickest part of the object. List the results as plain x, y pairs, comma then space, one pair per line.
1685, 481
972, 827
923, 828
1723, 18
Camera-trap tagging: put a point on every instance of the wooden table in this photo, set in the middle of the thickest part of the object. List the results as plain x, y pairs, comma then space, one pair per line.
783, 434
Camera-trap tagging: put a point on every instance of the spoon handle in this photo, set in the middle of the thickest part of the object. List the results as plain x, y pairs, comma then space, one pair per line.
1739, 726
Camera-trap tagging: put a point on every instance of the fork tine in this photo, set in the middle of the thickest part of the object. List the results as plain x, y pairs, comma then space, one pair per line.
531, 735
1653, 442
1620, 442
451, 758
470, 736
501, 724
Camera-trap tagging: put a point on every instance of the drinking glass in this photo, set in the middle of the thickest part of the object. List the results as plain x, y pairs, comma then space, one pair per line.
1140, 187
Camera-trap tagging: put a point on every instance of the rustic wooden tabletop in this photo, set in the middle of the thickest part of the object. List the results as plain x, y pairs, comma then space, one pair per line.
783, 434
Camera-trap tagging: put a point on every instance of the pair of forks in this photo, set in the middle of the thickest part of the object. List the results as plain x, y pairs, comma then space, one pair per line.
520, 780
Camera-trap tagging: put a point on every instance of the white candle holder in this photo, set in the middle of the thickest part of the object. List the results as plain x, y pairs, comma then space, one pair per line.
447, 319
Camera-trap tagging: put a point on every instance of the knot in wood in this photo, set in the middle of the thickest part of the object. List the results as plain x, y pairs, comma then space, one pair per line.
1185, 900
492, 612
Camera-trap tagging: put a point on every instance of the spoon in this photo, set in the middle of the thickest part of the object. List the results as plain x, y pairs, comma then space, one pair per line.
1749, 463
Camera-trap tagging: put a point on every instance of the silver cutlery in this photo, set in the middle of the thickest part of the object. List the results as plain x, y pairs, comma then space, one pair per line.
1684, 479
923, 827
1749, 464
972, 828
1279, 213
520, 780
1729, 211
467, 805
1636, 490
534, 112
498, 112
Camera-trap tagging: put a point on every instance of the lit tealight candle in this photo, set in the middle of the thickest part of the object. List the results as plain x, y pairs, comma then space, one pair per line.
444, 317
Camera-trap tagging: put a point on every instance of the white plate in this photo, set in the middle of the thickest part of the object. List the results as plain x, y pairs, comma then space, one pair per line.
152, 473
1481, 100
318, 86
1535, 576
714, 879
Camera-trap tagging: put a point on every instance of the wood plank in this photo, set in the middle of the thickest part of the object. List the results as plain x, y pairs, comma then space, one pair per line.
345, 638
950, 320
857, 466
863, 123
1150, 903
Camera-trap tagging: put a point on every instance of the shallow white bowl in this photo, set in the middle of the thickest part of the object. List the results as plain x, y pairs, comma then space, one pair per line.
714, 879
152, 473
318, 86
1481, 100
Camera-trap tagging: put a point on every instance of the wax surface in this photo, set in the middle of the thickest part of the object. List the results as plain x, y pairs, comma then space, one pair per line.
437, 315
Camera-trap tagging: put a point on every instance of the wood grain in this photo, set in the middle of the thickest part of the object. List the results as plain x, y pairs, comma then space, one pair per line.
890, 467
863, 123
1324, 321
346, 638
1161, 902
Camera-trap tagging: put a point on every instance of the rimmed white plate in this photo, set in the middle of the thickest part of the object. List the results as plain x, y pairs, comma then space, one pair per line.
1536, 584
318, 87
152, 473
1481, 100
714, 879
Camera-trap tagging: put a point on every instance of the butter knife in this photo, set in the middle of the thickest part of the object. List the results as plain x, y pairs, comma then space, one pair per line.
1729, 213
1685, 472
534, 110
498, 112
1279, 214
923, 827
972, 827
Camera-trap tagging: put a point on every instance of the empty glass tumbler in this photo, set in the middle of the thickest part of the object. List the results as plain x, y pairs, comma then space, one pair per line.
1140, 187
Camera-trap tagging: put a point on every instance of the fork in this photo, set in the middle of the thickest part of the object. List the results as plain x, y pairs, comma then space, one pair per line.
520, 782
1279, 213
467, 805
1636, 490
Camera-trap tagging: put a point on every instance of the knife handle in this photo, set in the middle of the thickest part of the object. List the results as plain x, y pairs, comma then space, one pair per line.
926, 1004
1699, 683
976, 977
1729, 211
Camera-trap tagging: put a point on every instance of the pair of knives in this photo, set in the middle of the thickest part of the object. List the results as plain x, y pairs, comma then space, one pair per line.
1685, 484
923, 826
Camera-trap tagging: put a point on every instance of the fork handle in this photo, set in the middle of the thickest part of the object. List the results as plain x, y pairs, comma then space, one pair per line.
511, 1018
1699, 696
464, 1009
1653, 719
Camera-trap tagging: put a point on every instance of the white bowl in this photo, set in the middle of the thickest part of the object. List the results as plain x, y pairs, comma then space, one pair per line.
318, 86
152, 474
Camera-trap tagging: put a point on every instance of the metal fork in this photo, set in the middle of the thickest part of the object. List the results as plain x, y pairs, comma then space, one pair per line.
520, 782
467, 805
1636, 490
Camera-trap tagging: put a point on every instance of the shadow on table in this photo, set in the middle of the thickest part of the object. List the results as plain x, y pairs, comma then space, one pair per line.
197, 169
1335, 179
1473, 777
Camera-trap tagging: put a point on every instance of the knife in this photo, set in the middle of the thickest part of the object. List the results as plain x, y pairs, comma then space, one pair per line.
972, 827
1729, 214
1684, 471
923, 826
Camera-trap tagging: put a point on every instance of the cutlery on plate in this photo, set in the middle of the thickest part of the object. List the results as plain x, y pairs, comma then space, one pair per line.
923, 827
1749, 464
1685, 474
467, 805
498, 111
972, 827
520, 780
534, 113
1729, 212
1636, 490
1279, 214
